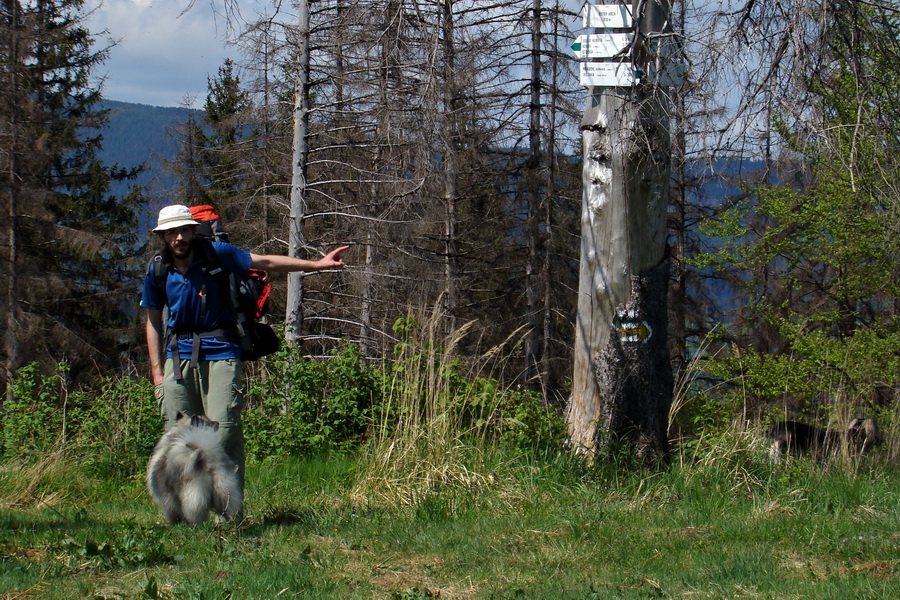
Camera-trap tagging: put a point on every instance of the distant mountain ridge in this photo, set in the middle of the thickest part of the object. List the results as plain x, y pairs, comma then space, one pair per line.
139, 134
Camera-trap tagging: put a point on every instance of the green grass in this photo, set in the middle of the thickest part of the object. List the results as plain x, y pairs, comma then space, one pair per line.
729, 528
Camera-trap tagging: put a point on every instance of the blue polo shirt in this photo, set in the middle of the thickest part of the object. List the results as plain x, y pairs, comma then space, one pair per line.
185, 294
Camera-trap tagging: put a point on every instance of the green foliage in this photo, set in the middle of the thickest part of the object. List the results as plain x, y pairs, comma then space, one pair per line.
428, 387
821, 376
32, 420
300, 406
415, 593
813, 258
113, 423
294, 406
131, 545
71, 238
706, 413
116, 424
517, 419
441, 425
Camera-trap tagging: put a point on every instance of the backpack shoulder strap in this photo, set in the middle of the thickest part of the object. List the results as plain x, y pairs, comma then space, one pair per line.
160, 273
213, 265
226, 281
205, 248
228, 284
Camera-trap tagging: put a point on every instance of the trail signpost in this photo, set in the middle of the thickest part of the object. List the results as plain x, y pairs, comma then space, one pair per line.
612, 41
622, 380
606, 74
606, 16
602, 45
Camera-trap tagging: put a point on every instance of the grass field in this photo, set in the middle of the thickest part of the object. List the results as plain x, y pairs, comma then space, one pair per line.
727, 526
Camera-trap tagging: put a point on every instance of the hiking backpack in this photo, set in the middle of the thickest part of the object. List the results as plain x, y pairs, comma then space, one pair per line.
211, 226
250, 295
247, 296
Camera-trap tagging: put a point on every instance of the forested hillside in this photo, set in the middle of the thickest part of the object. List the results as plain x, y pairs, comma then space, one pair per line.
141, 135
440, 140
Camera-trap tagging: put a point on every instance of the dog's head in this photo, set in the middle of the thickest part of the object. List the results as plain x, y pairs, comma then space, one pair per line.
863, 433
196, 421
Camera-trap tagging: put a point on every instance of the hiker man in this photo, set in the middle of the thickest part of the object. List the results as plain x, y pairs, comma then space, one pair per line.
195, 356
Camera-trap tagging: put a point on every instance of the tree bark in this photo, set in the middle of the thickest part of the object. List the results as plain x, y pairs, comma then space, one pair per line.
10, 347
451, 106
622, 383
634, 375
534, 182
294, 317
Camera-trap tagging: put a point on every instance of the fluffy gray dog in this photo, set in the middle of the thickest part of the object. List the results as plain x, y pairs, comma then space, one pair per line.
190, 474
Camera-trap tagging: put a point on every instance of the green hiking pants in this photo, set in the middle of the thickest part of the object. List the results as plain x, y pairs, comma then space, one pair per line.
214, 389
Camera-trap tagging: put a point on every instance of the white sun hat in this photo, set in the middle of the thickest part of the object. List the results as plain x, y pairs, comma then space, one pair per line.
173, 217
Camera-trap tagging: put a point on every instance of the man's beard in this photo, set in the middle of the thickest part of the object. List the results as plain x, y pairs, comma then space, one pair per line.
169, 255
181, 251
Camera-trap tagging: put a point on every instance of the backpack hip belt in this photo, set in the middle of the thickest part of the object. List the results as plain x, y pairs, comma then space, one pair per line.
228, 333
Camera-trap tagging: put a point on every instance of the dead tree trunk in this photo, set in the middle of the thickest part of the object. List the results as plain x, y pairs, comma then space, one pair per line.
10, 141
296, 241
451, 105
10, 304
622, 383
534, 167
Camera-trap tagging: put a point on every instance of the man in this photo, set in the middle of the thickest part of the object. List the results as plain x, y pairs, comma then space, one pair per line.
201, 322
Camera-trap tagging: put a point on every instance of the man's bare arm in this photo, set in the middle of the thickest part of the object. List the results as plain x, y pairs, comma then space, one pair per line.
279, 263
155, 344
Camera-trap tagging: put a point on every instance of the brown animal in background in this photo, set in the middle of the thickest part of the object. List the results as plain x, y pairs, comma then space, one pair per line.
799, 438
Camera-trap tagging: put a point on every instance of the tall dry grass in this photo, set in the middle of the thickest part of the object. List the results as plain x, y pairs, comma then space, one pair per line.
41, 483
423, 439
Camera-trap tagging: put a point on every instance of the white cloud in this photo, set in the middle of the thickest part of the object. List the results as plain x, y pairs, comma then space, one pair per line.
162, 56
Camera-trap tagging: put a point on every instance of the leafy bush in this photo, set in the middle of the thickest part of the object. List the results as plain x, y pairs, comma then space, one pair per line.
433, 394
428, 388
115, 419
822, 380
118, 422
294, 406
299, 406
33, 419
515, 418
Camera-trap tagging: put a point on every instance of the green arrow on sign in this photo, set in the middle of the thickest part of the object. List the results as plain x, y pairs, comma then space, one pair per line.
576, 46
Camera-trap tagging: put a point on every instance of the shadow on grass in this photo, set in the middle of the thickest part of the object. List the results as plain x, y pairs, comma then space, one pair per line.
307, 518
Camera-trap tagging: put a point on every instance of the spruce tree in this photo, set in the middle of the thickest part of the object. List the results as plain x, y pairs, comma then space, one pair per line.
66, 237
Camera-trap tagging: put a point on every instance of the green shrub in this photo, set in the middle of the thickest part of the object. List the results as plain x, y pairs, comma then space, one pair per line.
117, 422
298, 406
113, 422
294, 406
430, 390
514, 418
32, 420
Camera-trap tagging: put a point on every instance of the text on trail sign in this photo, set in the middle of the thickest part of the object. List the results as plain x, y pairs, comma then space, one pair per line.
601, 45
606, 74
606, 15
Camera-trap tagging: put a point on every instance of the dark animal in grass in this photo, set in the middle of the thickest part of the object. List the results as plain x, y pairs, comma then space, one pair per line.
793, 437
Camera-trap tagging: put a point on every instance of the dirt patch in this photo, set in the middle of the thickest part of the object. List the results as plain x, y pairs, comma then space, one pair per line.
877, 568
418, 574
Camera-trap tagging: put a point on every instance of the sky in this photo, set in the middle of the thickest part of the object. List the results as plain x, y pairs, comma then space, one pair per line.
162, 57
